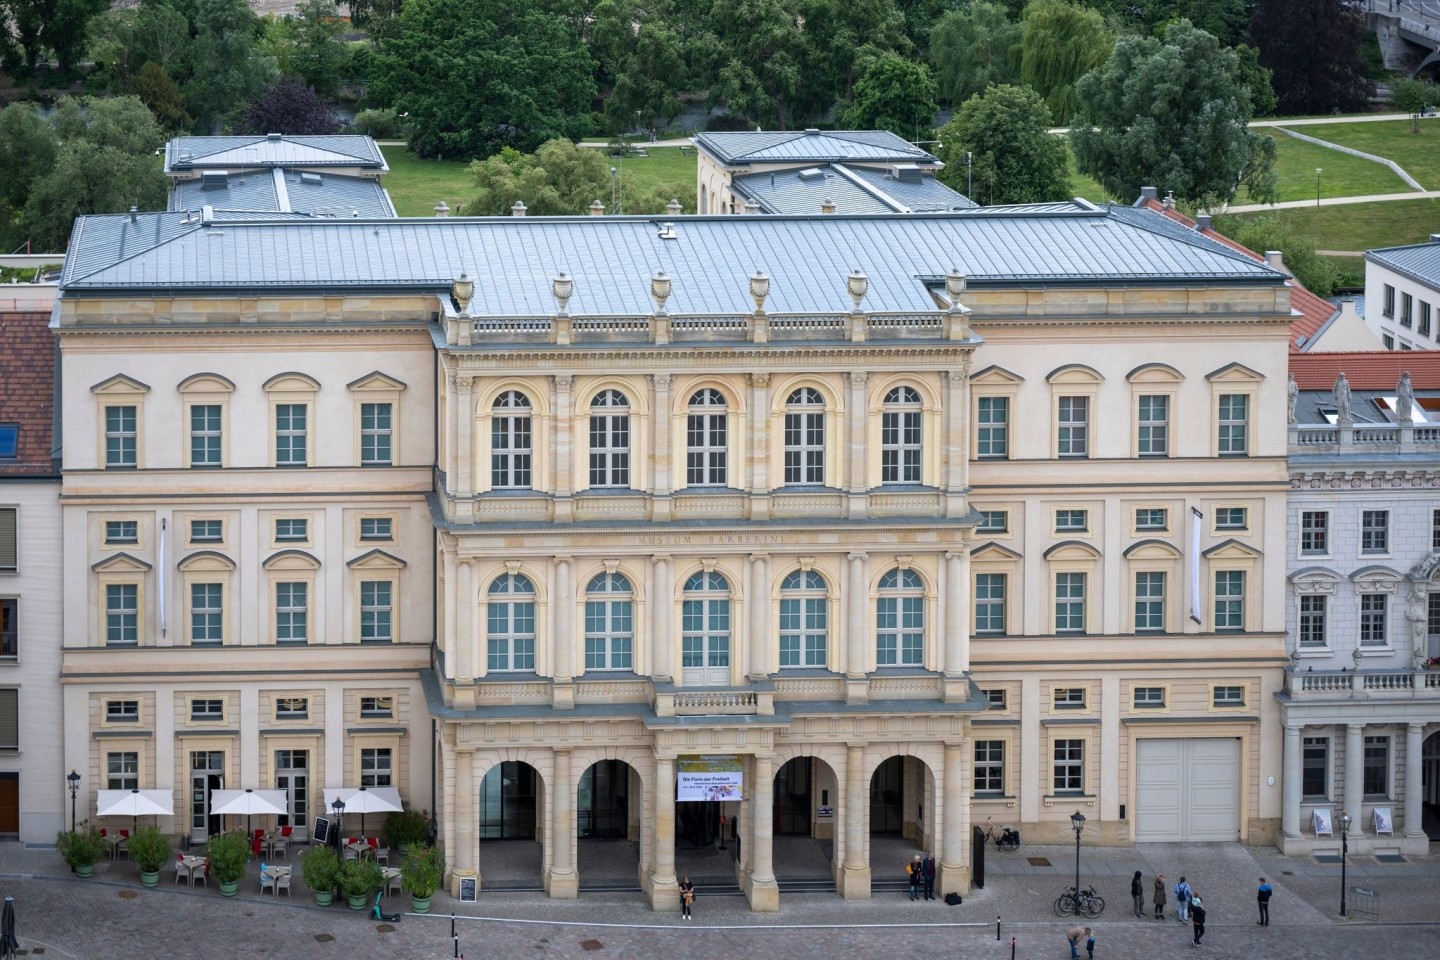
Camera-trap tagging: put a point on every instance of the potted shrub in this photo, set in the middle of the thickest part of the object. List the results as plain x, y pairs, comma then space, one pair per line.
321, 868
228, 854
150, 849
358, 879
421, 874
81, 848
405, 829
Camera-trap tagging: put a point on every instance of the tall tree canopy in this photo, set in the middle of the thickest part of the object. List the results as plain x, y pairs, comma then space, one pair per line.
970, 48
290, 106
557, 179
1228, 20
1059, 43
478, 75
894, 94
1174, 114
1013, 158
229, 67
308, 45
639, 47
38, 25
1312, 48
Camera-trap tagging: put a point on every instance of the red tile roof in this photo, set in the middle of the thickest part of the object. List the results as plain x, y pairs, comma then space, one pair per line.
27, 389
1371, 370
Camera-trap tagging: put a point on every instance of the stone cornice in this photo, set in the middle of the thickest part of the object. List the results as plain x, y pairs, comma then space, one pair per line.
781, 355
1341, 479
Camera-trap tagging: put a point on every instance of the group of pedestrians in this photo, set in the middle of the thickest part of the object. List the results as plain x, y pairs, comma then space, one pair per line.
1189, 908
920, 872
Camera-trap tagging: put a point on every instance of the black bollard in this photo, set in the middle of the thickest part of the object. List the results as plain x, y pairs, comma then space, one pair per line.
1012, 948
997, 927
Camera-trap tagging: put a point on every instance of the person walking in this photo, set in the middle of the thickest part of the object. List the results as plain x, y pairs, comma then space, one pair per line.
913, 872
927, 874
1137, 894
687, 898
1182, 901
1197, 918
1160, 897
1073, 935
1262, 897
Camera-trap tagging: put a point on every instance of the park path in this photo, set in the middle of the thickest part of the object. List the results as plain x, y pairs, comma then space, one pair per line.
1335, 201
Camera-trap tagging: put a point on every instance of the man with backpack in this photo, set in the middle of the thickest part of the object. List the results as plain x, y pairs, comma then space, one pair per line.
1182, 900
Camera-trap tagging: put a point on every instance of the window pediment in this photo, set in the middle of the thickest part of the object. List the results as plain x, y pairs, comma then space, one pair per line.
1072, 550
1315, 580
1154, 373
1074, 373
1231, 549
1152, 549
375, 380
1376, 578
120, 384
291, 560
121, 563
206, 383
376, 560
293, 382
1233, 372
206, 560
993, 551
994, 374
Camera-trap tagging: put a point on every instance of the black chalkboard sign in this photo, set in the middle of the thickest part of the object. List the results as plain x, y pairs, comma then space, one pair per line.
320, 833
467, 890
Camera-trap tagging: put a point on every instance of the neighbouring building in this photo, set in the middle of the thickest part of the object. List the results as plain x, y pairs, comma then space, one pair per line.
898, 523
1402, 295
815, 171
1361, 702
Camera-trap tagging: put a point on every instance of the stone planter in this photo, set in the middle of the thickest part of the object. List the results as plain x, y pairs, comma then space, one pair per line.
85, 870
150, 878
324, 897
356, 903
229, 889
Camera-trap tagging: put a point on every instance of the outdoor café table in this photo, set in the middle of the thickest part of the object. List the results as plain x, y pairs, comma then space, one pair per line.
358, 849
114, 840
275, 873
192, 864
392, 874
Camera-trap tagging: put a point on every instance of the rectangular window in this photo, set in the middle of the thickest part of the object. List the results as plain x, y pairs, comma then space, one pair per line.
1229, 600
1312, 620
990, 766
1315, 768
374, 434
9, 628
1406, 306
296, 530
995, 697
1372, 619
122, 613
1149, 697
1149, 601
375, 767
9, 543
122, 711
205, 435
1072, 521
1069, 769
989, 603
291, 447
122, 531
900, 446
1377, 766
1375, 531
206, 531
1228, 697
994, 521
1234, 425
120, 438
9, 441
292, 612
375, 610
1154, 426
122, 771
10, 720
373, 707
1152, 518
376, 528
1388, 310
1069, 698
1388, 341
1423, 328
1069, 603
1073, 436
292, 708
992, 429
207, 614
207, 710
1231, 518
1314, 532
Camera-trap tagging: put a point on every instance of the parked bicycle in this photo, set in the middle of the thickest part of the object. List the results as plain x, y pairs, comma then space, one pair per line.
1007, 840
1086, 902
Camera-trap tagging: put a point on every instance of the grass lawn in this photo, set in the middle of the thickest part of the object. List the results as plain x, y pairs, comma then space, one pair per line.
416, 185
664, 167
1417, 153
1082, 185
1342, 175
1363, 226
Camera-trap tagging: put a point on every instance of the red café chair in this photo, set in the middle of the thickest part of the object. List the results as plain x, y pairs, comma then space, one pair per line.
255, 846
286, 831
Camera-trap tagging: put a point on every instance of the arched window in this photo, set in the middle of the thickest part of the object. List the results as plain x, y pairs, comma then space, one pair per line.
706, 438
900, 437
510, 442
900, 620
510, 624
805, 437
705, 630
804, 620
610, 440
609, 623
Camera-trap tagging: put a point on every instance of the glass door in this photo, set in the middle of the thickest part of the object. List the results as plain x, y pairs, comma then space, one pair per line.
292, 774
206, 776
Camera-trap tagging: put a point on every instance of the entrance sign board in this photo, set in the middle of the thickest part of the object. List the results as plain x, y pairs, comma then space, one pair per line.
709, 778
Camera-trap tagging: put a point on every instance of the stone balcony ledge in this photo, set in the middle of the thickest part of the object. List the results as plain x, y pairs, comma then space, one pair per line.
1361, 684
1382, 438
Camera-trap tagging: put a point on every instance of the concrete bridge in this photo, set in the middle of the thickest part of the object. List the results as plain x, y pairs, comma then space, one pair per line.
1409, 34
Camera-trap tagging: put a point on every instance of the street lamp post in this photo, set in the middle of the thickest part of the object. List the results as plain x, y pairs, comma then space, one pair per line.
74, 780
1317, 185
339, 807
969, 175
1078, 819
1345, 822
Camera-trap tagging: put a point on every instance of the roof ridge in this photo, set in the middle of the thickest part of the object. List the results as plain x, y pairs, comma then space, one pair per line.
138, 253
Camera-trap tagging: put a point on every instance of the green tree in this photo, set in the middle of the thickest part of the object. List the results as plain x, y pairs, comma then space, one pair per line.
27, 150
1013, 158
1412, 96
970, 48
895, 94
1313, 49
55, 25
762, 53
1228, 20
162, 95
123, 41
230, 68
479, 75
839, 39
1173, 113
1268, 232
1060, 42
642, 53
557, 179
308, 45
289, 105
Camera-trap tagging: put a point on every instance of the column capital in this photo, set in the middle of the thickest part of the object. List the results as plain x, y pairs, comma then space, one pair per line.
759, 557
759, 379
661, 557
563, 558
856, 556
563, 381
955, 554
464, 383
661, 381
856, 378
1415, 729
561, 751
1354, 726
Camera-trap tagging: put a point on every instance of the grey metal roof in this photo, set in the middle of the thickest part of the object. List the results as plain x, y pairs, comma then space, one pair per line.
250, 190
854, 190
272, 150
286, 191
1311, 406
612, 258
1056, 206
812, 146
922, 196
1418, 261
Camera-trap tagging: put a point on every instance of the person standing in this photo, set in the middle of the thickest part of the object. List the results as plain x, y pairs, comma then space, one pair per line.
927, 874
1090, 944
1197, 918
1262, 897
687, 898
1182, 901
1137, 894
913, 872
1160, 897
1073, 935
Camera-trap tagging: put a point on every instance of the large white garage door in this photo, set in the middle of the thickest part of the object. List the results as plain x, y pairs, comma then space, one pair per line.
1187, 790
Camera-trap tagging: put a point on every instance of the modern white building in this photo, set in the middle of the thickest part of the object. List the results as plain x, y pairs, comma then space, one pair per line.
1402, 295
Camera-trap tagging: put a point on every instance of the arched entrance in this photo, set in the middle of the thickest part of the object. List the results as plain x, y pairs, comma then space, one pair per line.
602, 808
509, 796
609, 802
902, 792
807, 794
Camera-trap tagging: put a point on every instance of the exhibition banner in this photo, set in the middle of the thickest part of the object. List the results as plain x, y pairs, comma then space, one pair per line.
709, 778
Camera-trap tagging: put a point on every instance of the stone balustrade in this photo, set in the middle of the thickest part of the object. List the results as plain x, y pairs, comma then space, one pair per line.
1361, 684
1372, 437
563, 330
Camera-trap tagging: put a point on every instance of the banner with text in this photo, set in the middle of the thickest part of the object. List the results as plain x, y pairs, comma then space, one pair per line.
709, 778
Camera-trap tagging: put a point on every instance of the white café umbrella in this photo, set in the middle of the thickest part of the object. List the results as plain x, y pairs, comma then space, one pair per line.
365, 800
249, 802
135, 803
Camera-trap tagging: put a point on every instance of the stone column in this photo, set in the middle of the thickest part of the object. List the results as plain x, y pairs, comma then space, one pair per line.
957, 608
450, 611
857, 633
1414, 740
660, 424
564, 880
760, 480
856, 480
464, 485
855, 878
562, 634
763, 891
1290, 785
760, 615
662, 642
466, 852
664, 891
454, 417
465, 635
954, 871
563, 445
1354, 776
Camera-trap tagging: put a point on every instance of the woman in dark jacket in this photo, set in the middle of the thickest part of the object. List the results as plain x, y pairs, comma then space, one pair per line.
1160, 898
1137, 893
1197, 917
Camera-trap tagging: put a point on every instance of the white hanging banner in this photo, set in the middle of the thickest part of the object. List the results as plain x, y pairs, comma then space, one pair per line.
160, 571
709, 778
1196, 522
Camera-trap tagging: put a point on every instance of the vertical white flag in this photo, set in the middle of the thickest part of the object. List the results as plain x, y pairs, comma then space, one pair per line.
1196, 520
160, 571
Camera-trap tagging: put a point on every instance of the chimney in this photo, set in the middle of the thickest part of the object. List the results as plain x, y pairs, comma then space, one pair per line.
1169, 201
1276, 260
274, 136
597, 209
827, 205
518, 210
673, 208
442, 209
133, 217
1148, 193
1202, 221
751, 207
